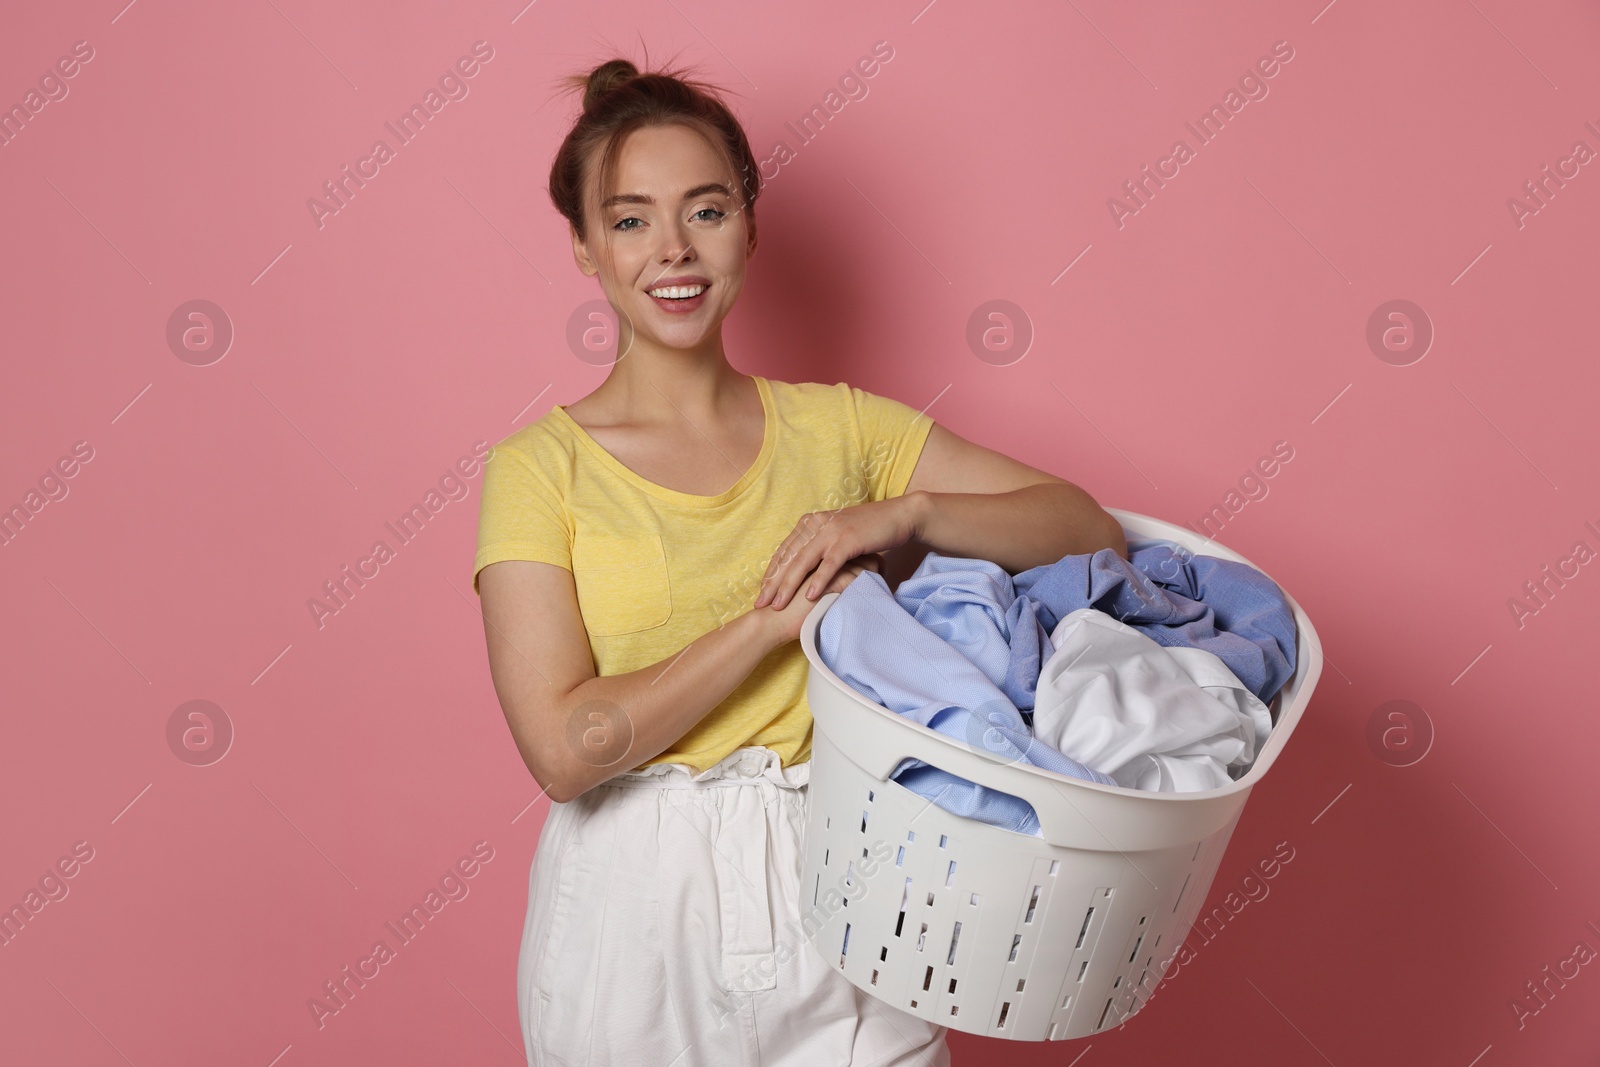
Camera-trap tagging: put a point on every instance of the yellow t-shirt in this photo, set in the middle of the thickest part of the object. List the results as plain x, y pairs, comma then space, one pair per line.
655, 568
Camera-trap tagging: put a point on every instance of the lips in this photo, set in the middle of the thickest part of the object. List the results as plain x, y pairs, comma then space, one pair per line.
682, 306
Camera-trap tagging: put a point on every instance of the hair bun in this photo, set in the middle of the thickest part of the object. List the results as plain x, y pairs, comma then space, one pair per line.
606, 77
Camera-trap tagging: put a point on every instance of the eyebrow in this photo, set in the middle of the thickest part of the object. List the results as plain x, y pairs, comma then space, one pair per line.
640, 198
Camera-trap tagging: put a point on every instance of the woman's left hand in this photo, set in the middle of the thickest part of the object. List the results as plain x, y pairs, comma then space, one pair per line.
824, 541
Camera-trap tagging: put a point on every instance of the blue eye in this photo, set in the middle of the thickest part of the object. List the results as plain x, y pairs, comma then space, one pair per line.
717, 216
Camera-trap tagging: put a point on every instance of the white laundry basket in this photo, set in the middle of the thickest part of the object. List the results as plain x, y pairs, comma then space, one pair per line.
990, 931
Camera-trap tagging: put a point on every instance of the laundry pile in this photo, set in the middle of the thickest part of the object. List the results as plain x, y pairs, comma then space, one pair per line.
1152, 672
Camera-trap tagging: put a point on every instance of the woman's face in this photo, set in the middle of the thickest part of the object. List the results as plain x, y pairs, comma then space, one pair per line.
674, 220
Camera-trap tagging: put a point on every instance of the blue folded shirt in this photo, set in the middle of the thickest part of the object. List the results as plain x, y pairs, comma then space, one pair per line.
1003, 624
879, 650
959, 648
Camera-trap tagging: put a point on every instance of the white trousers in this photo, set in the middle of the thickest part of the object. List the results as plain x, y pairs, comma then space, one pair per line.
663, 929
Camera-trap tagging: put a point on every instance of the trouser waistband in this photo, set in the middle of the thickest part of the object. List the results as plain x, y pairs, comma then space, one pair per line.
748, 765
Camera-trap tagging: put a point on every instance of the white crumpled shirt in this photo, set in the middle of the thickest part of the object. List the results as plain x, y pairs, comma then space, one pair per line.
1164, 719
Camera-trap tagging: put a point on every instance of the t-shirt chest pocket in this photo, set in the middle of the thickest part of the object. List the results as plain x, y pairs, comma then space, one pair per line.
622, 583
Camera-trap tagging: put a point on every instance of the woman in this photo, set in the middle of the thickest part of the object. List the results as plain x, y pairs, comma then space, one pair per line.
645, 558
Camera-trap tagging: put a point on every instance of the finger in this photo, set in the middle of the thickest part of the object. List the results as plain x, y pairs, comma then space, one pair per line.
820, 579
770, 573
836, 549
777, 572
783, 559
843, 579
804, 567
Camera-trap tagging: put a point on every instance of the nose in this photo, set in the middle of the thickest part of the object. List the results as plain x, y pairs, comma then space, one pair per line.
675, 247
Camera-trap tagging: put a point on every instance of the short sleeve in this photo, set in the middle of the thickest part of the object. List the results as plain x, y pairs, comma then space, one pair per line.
891, 436
521, 515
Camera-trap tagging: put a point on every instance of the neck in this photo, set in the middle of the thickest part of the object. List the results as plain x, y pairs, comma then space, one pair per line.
655, 384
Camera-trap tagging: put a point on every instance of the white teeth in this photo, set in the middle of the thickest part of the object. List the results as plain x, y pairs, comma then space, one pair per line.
678, 292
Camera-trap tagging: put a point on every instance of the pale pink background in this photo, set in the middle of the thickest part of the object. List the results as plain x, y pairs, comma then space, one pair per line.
431, 313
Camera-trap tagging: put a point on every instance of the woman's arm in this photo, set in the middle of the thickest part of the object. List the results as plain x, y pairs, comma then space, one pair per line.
962, 500
1019, 529
967, 500
575, 730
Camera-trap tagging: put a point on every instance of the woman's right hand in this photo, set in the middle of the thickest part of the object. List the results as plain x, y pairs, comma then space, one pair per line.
786, 621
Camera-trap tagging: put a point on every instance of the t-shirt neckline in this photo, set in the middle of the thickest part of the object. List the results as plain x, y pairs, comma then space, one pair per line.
612, 463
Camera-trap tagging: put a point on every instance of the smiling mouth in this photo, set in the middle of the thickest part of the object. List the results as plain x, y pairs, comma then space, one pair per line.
679, 299
677, 292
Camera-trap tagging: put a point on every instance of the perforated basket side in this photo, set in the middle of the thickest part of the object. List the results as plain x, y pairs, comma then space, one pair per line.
981, 929
996, 933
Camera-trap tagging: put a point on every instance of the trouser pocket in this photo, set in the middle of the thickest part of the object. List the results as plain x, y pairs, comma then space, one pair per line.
739, 857
537, 1012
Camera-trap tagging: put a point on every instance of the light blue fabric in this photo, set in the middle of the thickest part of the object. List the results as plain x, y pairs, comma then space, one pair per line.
1228, 609
876, 648
960, 645
1003, 624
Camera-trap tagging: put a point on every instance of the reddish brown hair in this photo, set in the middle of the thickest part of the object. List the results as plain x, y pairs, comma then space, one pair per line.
617, 100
